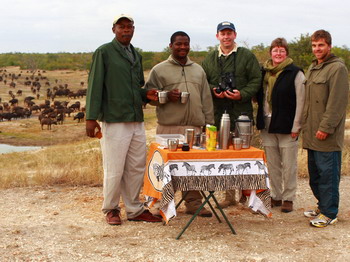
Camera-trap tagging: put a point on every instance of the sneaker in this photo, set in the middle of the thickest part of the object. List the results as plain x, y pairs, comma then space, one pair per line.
322, 221
312, 213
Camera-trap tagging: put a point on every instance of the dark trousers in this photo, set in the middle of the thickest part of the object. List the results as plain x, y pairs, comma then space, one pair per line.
324, 171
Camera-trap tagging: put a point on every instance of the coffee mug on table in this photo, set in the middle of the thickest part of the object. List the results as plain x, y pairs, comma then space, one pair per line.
237, 143
172, 144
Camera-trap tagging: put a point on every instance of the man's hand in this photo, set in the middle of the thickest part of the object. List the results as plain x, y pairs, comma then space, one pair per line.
218, 95
152, 94
320, 135
234, 95
174, 95
294, 135
91, 126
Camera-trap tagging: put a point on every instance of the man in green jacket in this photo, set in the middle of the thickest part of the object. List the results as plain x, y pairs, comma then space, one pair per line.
327, 90
234, 77
115, 98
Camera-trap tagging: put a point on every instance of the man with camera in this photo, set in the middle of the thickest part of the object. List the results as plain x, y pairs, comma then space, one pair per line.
234, 76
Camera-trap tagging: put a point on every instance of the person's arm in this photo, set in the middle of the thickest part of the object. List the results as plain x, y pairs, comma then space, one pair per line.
253, 74
207, 102
300, 100
94, 93
153, 83
91, 126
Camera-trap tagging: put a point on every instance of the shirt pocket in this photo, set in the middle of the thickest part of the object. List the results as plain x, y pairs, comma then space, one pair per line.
320, 93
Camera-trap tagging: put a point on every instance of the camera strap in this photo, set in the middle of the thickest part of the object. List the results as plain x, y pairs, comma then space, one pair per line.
221, 63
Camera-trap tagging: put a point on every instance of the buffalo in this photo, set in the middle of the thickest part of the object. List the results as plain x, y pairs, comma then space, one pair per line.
47, 121
79, 116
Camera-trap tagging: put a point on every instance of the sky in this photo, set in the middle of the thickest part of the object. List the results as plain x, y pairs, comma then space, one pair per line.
38, 26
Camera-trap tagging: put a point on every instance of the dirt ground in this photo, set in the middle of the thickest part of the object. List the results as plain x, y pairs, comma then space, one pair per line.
65, 224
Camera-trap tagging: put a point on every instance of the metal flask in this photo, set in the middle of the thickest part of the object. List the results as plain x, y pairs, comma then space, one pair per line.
224, 133
244, 129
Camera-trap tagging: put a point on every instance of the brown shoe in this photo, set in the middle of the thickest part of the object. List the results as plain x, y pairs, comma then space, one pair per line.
203, 213
227, 203
113, 217
146, 216
276, 203
287, 206
230, 199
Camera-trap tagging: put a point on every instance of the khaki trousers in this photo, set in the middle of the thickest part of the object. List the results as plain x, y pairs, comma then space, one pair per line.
123, 148
282, 154
193, 198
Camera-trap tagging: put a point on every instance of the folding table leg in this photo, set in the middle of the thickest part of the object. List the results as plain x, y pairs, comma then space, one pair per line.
223, 213
206, 200
211, 206
193, 217
182, 199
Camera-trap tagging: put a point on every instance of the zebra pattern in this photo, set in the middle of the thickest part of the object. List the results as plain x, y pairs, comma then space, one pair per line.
218, 183
261, 166
242, 167
168, 195
207, 168
191, 169
172, 168
225, 168
159, 173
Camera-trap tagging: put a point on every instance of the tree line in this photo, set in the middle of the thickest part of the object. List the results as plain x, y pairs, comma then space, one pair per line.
299, 50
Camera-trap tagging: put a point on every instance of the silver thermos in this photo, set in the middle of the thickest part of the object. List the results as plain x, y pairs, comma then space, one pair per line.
224, 133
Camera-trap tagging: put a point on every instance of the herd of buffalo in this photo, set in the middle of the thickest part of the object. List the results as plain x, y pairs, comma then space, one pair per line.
50, 110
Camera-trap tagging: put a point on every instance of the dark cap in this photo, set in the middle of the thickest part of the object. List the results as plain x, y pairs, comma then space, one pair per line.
226, 25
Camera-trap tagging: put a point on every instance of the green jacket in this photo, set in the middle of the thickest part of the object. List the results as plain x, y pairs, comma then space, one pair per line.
326, 98
248, 82
114, 90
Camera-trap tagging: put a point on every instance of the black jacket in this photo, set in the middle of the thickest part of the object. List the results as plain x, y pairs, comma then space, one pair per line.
283, 102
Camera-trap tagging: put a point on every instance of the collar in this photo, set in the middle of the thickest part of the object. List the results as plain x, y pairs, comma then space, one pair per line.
123, 46
174, 61
325, 61
226, 55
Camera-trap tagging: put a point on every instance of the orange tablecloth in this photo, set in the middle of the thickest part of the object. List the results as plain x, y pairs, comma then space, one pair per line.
168, 171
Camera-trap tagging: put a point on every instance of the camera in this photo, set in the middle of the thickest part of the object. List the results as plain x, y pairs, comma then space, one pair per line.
227, 83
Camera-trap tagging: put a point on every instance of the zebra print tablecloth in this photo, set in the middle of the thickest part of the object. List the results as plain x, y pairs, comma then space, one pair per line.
167, 172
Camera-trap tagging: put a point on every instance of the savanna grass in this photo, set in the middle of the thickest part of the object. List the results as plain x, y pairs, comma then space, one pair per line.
72, 164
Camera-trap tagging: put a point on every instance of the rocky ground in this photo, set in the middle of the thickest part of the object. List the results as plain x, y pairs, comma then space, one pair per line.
65, 224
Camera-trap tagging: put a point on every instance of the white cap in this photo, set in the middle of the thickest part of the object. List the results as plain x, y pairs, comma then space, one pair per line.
117, 18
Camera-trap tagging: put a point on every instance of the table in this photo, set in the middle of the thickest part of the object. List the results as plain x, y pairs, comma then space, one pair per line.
202, 170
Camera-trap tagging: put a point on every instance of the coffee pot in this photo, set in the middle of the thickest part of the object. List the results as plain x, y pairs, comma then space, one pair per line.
244, 129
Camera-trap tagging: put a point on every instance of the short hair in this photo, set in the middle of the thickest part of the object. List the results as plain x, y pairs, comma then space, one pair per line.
279, 42
178, 33
322, 34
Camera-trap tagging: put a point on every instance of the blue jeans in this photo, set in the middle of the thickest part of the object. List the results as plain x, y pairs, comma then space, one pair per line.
324, 171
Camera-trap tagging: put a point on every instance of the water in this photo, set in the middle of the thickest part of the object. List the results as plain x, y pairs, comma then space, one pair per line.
4, 149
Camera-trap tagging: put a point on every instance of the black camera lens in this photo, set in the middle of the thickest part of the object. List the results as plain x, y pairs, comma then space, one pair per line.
218, 90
